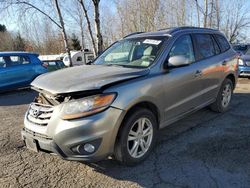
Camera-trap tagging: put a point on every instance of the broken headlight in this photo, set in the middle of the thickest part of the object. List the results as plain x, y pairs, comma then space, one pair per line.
87, 106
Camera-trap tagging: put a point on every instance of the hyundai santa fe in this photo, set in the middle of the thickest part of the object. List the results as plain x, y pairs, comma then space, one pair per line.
139, 85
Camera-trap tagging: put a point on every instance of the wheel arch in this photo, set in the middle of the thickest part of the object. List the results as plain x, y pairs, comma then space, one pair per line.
232, 78
143, 104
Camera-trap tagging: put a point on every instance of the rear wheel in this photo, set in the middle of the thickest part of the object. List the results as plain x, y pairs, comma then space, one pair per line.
224, 97
136, 137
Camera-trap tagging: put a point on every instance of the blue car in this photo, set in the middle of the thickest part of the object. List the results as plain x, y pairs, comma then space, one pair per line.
19, 69
244, 60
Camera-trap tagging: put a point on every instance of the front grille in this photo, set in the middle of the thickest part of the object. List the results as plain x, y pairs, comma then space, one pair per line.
39, 114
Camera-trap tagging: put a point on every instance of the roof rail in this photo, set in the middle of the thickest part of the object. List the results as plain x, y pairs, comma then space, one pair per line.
134, 33
174, 29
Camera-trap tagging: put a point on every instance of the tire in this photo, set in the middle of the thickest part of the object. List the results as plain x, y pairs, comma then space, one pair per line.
124, 152
221, 104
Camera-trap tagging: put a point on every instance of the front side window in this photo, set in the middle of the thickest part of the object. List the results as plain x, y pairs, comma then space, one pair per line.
205, 46
137, 52
183, 47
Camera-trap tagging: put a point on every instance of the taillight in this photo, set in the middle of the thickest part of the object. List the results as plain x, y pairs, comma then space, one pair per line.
45, 65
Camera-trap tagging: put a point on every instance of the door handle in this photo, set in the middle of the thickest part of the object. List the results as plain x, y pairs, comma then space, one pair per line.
198, 73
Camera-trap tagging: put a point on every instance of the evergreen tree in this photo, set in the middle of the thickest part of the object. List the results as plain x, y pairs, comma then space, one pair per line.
3, 28
19, 43
75, 42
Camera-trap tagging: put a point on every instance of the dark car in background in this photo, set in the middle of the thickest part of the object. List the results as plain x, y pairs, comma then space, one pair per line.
244, 61
19, 69
53, 65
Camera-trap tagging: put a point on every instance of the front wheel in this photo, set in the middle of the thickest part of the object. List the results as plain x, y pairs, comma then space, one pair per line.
224, 97
136, 137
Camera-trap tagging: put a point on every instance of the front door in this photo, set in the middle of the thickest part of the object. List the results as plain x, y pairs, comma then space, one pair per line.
182, 85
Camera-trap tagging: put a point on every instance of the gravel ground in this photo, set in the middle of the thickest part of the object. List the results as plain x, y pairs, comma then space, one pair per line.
204, 150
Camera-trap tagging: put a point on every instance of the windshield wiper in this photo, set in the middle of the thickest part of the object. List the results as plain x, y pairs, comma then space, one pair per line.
125, 66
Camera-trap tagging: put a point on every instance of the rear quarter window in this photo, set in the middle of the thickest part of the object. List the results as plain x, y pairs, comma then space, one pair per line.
224, 45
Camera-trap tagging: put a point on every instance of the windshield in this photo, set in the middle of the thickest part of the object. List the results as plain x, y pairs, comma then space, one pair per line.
139, 52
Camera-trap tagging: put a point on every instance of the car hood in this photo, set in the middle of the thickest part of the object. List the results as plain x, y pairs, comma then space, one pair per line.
85, 78
245, 57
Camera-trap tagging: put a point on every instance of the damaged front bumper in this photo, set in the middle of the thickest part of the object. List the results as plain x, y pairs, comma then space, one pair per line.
69, 138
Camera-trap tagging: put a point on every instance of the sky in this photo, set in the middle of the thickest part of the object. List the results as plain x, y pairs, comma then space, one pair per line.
10, 20
12, 23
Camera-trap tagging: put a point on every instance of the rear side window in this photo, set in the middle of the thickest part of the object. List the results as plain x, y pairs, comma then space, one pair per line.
205, 46
8, 61
2, 62
17, 60
224, 45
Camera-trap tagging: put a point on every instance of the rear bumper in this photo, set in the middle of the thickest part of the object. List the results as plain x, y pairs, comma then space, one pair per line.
244, 71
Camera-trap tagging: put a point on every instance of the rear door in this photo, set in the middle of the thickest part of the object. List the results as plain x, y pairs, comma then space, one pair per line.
210, 64
3, 73
17, 71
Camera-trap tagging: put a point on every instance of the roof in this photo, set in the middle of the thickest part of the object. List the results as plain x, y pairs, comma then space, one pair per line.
17, 53
170, 31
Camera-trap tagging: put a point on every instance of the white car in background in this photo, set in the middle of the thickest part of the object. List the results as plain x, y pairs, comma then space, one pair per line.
79, 58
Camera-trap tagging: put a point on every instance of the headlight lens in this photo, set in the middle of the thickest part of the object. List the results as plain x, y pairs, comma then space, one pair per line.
241, 62
87, 106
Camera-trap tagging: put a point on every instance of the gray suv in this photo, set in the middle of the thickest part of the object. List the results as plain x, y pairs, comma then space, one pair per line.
139, 85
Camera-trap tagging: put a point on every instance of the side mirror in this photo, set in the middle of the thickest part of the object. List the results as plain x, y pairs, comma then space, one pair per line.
177, 61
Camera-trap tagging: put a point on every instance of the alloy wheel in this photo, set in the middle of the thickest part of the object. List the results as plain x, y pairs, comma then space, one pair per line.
140, 137
226, 95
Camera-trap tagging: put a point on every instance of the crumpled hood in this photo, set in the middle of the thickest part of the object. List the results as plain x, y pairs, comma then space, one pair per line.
84, 78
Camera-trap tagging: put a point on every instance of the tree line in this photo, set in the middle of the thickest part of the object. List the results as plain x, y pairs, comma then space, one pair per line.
55, 26
16, 42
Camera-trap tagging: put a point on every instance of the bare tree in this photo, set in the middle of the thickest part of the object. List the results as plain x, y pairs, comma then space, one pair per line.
65, 39
85, 12
198, 12
217, 7
60, 25
205, 13
99, 38
76, 13
211, 14
236, 20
